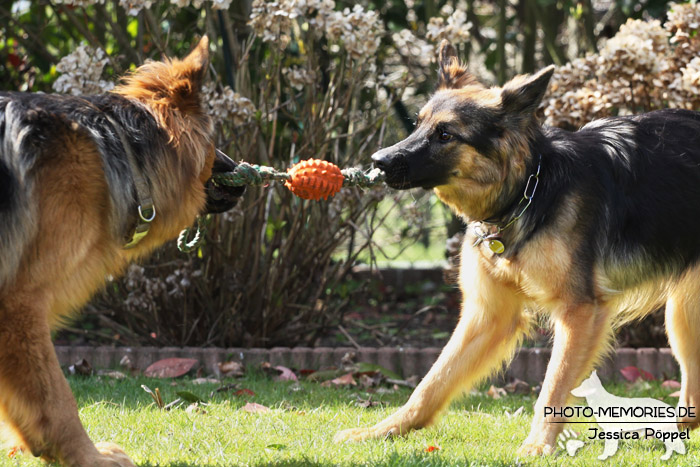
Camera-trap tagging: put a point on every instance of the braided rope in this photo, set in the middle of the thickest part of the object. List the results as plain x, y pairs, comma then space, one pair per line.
250, 174
253, 174
186, 247
356, 177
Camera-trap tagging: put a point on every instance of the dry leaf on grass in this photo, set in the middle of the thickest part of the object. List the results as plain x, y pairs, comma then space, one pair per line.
253, 407
81, 367
285, 374
231, 369
195, 408
495, 393
345, 380
205, 381
671, 384
111, 374
170, 367
517, 386
632, 374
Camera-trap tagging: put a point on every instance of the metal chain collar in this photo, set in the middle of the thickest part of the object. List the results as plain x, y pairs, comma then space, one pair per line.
494, 242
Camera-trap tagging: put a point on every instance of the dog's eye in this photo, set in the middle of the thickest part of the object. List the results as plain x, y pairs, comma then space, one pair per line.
444, 136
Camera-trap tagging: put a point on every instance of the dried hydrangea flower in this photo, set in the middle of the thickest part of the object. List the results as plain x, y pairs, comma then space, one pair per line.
81, 71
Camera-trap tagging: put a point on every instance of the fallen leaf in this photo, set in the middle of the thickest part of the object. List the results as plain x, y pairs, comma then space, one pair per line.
432, 448
81, 367
495, 393
126, 363
111, 374
632, 374
366, 403
370, 379
345, 380
348, 360
675, 394
206, 381
195, 409
671, 384
244, 392
190, 397
306, 372
231, 369
170, 367
253, 407
517, 386
285, 374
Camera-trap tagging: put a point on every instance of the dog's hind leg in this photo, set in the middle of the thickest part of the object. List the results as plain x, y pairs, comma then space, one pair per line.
489, 328
581, 332
34, 395
683, 330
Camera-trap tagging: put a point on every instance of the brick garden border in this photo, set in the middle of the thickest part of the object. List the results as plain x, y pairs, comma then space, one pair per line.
528, 365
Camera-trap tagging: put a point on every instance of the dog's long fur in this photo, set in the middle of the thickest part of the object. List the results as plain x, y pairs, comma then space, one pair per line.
611, 234
67, 204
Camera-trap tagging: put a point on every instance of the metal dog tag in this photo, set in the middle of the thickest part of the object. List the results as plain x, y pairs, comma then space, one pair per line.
496, 246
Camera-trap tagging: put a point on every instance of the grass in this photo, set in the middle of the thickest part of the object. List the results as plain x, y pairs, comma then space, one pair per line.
298, 430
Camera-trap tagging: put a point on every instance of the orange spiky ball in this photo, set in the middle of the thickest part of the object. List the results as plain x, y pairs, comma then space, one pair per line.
314, 179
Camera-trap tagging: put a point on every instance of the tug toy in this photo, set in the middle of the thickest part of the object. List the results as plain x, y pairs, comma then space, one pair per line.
310, 179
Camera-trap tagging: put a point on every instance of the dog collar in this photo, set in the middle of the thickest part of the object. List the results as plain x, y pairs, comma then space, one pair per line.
146, 210
491, 232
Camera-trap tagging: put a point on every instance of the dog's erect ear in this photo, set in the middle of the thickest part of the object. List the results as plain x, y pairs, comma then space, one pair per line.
523, 94
451, 73
198, 60
189, 74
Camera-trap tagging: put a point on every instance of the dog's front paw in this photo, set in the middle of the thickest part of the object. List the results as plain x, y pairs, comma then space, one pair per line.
113, 456
379, 431
396, 425
535, 449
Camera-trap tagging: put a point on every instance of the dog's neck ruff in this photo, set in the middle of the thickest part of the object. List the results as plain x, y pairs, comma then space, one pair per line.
146, 210
491, 232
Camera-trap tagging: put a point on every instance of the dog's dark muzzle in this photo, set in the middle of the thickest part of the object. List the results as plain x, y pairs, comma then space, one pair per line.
395, 168
408, 167
221, 198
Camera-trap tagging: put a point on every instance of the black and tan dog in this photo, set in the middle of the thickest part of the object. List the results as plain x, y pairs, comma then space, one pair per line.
81, 178
591, 228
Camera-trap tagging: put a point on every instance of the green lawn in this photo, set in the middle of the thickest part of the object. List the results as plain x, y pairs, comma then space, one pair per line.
303, 418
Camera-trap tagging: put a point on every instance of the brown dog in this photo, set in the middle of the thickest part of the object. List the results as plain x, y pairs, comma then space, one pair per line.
590, 228
88, 184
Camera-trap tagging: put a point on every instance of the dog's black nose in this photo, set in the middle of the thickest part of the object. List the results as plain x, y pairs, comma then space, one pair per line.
382, 160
